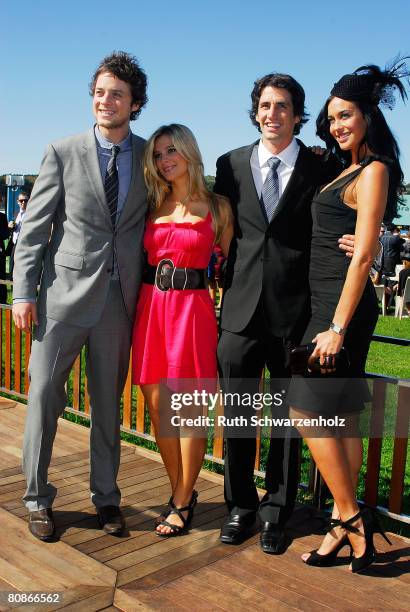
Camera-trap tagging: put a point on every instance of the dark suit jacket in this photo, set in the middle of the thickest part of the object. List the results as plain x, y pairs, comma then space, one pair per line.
392, 245
272, 259
4, 234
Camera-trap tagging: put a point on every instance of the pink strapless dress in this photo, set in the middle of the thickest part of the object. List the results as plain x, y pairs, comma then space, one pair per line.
175, 332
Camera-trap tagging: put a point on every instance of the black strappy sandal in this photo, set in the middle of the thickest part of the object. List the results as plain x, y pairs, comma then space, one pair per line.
168, 510
317, 560
371, 526
177, 530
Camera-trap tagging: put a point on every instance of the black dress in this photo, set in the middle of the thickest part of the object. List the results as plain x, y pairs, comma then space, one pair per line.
345, 391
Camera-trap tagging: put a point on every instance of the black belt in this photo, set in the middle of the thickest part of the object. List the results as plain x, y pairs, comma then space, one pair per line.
166, 276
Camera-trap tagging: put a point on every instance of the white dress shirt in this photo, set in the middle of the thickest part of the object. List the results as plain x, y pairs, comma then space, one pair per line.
17, 225
260, 168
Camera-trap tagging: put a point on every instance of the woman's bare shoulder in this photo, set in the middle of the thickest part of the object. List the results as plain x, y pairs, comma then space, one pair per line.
376, 169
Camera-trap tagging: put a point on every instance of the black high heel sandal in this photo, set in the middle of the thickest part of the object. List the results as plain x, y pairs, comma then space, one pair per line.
177, 530
168, 510
371, 525
317, 560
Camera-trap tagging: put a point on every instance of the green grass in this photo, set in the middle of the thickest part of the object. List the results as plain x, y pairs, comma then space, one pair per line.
390, 326
387, 358
393, 361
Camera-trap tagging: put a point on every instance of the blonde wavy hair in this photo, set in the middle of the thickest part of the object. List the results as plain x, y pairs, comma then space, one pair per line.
158, 188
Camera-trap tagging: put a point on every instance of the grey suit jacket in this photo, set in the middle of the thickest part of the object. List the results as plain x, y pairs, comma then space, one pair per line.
67, 240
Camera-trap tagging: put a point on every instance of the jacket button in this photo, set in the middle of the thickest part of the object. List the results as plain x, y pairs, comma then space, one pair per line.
109, 270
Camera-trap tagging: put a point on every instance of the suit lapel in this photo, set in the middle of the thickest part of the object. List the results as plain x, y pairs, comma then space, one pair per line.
295, 183
254, 207
137, 185
92, 167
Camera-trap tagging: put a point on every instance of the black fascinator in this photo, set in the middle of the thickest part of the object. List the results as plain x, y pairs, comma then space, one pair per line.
373, 85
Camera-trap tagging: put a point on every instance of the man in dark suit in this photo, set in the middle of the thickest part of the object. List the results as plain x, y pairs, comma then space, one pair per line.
392, 246
4, 234
266, 303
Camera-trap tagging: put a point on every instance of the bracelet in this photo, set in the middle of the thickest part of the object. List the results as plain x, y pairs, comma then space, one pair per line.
337, 329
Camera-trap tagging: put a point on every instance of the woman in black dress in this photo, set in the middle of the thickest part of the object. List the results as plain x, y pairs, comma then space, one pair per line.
344, 304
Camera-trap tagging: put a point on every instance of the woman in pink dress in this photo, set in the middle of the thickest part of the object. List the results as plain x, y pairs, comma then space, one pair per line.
175, 332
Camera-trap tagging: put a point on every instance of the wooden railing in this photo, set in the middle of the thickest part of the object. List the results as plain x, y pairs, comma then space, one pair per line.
14, 380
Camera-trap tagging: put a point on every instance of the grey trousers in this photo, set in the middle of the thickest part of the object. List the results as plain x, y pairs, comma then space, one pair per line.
55, 348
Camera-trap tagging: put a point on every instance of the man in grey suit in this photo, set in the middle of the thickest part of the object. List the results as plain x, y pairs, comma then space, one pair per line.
82, 242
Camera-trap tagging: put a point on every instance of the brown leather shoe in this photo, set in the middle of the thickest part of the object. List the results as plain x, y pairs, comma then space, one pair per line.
41, 524
111, 519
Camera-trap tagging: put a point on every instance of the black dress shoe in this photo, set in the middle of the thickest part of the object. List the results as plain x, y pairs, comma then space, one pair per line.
273, 538
236, 528
41, 524
111, 519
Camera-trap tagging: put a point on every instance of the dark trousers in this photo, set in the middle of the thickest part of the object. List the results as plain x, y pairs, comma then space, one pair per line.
3, 288
11, 261
241, 357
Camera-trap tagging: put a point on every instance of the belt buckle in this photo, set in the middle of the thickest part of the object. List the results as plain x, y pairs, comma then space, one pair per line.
162, 281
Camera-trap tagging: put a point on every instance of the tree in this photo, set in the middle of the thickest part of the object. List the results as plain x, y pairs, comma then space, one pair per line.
210, 181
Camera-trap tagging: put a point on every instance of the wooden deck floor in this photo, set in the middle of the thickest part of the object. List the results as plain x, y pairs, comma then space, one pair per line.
140, 571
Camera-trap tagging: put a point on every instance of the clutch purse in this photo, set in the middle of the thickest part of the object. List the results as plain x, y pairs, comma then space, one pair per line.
299, 357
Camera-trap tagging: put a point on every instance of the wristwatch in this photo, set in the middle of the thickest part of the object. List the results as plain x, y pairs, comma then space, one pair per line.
337, 329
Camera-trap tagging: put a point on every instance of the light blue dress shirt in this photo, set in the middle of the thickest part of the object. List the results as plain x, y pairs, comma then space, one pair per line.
124, 164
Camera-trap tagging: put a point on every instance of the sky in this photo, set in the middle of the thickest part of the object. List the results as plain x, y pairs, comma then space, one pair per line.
201, 59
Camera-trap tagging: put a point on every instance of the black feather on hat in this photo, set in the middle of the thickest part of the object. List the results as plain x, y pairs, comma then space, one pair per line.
371, 84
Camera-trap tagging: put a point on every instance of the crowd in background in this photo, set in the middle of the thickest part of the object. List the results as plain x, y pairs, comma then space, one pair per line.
9, 233
393, 268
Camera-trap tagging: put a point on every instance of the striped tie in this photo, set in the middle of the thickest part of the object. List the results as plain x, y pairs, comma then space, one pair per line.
111, 183
270, 190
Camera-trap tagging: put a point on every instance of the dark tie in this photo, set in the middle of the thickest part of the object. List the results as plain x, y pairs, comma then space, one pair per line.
111, 183
270, 189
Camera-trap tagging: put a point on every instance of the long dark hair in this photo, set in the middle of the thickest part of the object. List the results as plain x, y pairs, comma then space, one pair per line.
380, 141
368, 87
